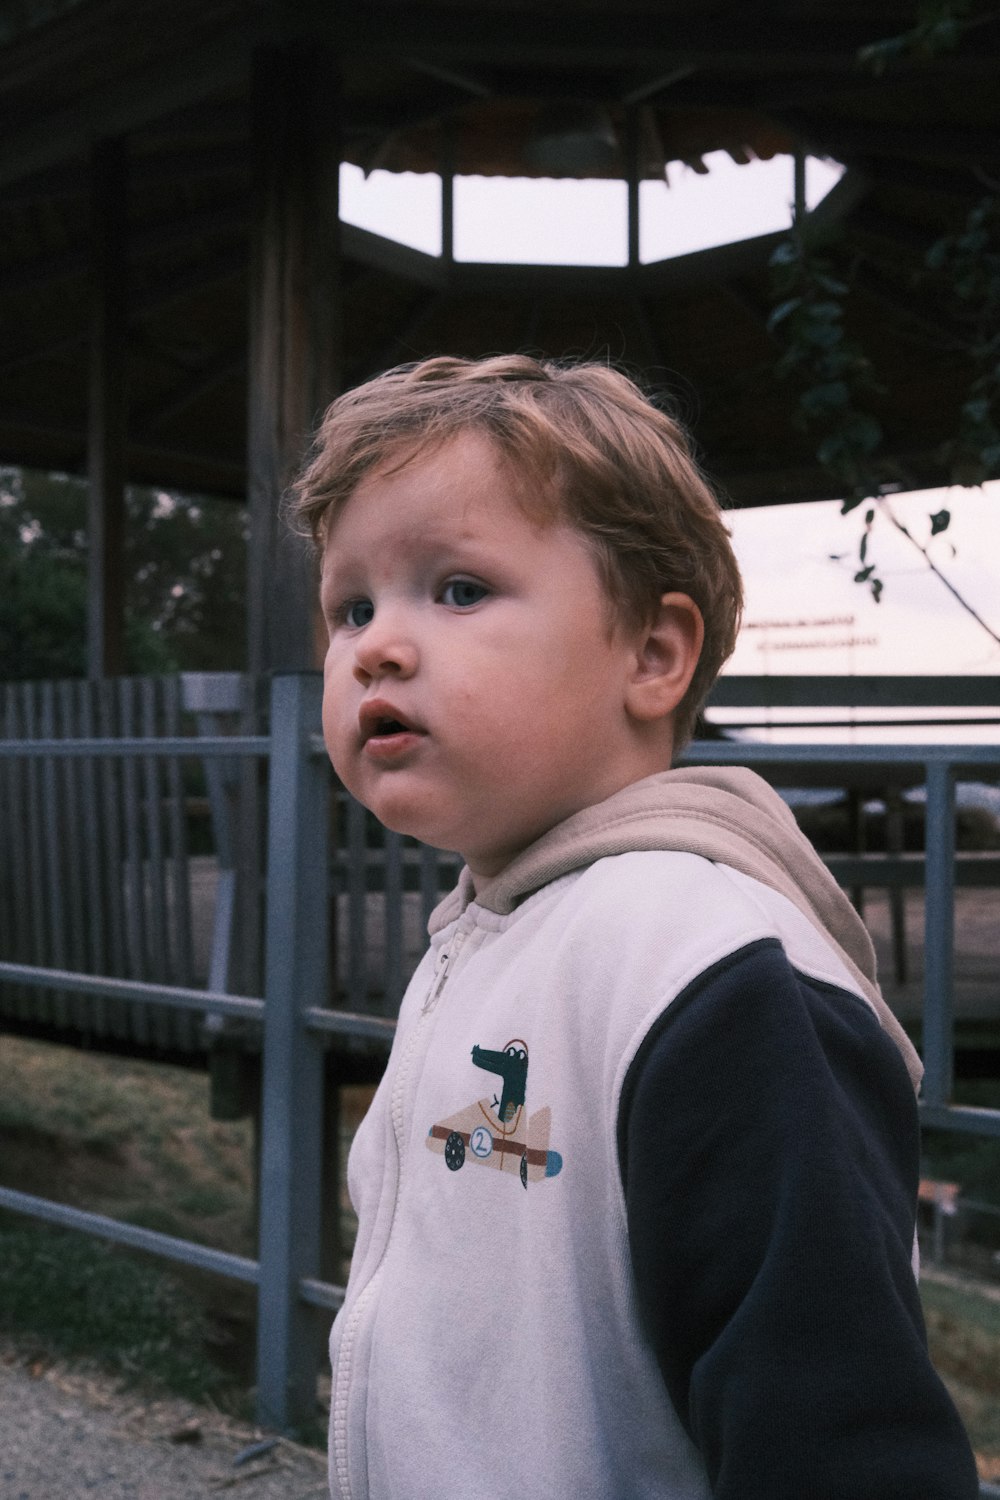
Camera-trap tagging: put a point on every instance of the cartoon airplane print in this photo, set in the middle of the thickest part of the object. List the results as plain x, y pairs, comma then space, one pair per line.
499, 1132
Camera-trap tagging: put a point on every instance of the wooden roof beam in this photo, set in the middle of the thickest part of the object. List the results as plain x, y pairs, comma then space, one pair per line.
656, 38
189, 392
119, 108
383, 254
149, 454
65, 265
933, 145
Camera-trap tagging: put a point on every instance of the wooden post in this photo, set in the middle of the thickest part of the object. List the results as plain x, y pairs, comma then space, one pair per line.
294, 331
448, 192
633, 179
107, 414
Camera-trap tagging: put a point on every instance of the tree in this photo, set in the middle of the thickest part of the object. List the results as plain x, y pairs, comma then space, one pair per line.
834, 372
185, 566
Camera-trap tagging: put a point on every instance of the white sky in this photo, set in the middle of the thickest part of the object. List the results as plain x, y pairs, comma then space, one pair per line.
787, 556
784, 551
563, 222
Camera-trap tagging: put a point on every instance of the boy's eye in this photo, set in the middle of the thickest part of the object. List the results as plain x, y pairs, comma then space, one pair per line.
461, 593
357, 612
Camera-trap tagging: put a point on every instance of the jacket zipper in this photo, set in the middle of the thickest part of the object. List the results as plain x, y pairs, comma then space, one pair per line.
443, 969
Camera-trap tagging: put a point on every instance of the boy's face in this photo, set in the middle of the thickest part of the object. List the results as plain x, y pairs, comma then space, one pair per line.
473, 689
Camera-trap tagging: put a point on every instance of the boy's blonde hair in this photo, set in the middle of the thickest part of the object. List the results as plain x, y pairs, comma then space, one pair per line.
585, 445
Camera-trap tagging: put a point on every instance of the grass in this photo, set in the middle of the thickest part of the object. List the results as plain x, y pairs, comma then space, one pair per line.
126, 1138
66, 1296
134, 1140
963, 1330
971, 1161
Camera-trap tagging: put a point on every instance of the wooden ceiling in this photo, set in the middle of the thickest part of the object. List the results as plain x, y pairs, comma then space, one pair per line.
489, 86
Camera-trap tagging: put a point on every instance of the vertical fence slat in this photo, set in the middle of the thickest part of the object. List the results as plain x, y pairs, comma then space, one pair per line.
392, 906
113, 846
357, 906
36, 853
16, 934
95, 866
181, 967
69, 773
134, 869
939, 935
55, 861
154, 883
429, 885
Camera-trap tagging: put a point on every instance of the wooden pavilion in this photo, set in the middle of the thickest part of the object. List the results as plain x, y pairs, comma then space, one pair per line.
178, 298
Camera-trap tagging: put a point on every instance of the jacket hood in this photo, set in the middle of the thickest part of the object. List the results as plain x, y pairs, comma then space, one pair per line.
727, 814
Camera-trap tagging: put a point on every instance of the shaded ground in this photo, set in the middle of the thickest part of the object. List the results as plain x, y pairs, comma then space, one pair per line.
977, 953
76, 1436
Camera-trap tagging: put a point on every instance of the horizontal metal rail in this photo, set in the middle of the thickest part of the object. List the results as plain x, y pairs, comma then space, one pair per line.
240, 1007
349, 1023
293, 1028
167, 1246
187, 1252
960, 1117
180, 744
881, 757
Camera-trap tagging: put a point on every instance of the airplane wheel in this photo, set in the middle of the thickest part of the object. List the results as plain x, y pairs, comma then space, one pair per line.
524, 1171
454, 1151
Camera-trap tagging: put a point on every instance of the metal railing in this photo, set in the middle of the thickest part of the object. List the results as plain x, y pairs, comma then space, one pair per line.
296, 1020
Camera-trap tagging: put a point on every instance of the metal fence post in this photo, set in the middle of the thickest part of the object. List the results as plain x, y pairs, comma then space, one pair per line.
939, 934
292, 1088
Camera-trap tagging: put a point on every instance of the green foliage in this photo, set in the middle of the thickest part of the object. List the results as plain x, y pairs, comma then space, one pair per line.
939, 28
79, 1299
184, 566
836, 378
834, 375
967, 266
973, 1161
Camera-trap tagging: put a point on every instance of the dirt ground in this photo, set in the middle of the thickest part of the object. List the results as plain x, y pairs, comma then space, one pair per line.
68, 1435
977, 953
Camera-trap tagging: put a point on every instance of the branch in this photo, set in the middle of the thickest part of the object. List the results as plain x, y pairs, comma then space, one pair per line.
886, 508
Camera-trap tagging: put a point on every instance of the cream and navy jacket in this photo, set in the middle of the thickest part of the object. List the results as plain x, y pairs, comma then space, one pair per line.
636, 1194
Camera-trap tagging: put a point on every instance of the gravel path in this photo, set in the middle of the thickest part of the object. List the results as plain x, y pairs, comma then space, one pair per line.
69, 1436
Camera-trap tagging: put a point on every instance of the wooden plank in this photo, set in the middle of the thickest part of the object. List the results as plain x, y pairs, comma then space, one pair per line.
69, 772
405, 261
357, 907
181, 968
17, 938
122, 104
153, 884
113, 832
95, 862
392, 901
132, 871
38, 950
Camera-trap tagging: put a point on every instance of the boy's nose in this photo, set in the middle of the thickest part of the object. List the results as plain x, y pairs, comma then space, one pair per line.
383, 651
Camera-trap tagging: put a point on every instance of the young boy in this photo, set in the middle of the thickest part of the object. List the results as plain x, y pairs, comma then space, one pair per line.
636, 1195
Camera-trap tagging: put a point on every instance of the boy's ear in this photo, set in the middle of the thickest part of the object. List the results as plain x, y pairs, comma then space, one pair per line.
666, 656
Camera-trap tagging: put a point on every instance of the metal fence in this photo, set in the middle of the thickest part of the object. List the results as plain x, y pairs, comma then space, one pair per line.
297, 1021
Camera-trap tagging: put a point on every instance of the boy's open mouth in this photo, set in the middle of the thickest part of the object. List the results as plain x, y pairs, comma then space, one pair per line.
380, 721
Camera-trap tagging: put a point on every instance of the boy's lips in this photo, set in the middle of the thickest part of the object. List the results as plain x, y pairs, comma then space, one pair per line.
381, 722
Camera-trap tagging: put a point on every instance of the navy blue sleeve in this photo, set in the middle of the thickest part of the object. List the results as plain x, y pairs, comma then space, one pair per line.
769, 1151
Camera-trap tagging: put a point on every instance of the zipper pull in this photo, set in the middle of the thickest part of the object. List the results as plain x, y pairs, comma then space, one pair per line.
444, 963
